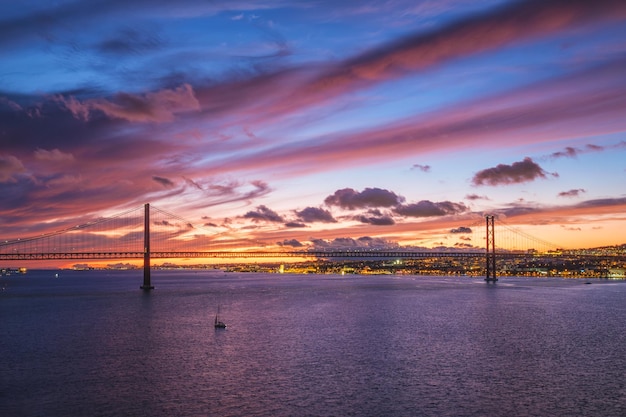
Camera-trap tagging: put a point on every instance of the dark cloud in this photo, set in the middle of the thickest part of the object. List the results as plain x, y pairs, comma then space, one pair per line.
375, 220
364, 242
461, 229
427, 208
568, 152
163, 181
315, 214
473, 197
291, 242
168, 223
461, 245
320, 243
423, 168
376, 243
375, 217
571, 193
294, 224
350, 199
516, 173
264, 214
571, 152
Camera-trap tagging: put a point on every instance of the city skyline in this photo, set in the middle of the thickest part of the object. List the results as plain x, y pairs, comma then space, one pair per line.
293, 123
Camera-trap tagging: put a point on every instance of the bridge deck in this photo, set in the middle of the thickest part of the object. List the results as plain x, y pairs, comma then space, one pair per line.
240, 255
15, 256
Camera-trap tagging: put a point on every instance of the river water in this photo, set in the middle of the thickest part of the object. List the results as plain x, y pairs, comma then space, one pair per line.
93, 344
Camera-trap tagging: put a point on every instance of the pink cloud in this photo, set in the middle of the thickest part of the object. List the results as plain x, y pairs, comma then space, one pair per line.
9, 167
160, 106
53, 155
519, 21
541, 112
64, 180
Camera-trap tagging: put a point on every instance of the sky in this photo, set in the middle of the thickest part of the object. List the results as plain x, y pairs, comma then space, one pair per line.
297, 124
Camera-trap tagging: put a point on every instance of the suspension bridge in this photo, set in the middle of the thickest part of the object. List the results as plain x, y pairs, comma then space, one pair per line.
147, 233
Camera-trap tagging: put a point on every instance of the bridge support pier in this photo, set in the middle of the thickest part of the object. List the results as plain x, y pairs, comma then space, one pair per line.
490, 252
146, 249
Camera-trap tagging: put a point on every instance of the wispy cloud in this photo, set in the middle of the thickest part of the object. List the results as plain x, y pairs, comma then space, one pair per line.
474, 197
165, 182
160, 106
556, 109
572, 152
515, 22
420, 167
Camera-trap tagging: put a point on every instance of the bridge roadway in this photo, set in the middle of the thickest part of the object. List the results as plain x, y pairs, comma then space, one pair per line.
319, 254
15, 256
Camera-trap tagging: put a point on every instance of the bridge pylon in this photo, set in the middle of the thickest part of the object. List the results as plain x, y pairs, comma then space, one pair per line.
146, 249
490, 251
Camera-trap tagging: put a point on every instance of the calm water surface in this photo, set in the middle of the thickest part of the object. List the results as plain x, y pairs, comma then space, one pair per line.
93, 344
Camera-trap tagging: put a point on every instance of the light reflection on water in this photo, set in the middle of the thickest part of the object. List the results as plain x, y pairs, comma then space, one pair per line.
92, 343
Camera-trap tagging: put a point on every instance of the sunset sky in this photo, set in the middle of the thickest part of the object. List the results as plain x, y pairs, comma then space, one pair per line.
304, 123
